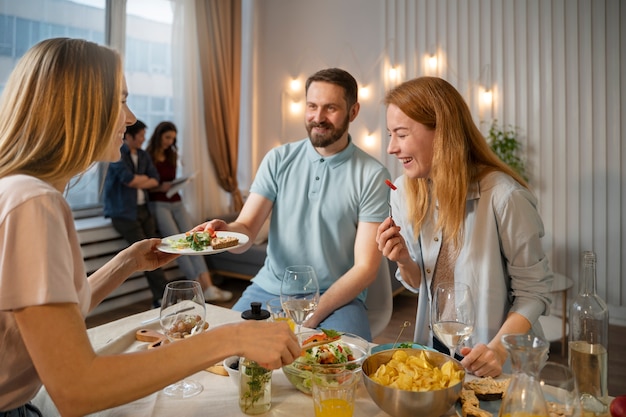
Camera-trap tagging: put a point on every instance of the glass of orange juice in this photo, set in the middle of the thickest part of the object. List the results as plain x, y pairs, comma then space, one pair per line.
333, 391
278, 314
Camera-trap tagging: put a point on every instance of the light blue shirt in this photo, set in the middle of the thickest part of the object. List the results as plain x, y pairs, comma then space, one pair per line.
318, 202
502, 259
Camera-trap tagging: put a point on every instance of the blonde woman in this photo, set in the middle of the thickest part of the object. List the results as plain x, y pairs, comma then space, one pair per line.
461, 214
64, 108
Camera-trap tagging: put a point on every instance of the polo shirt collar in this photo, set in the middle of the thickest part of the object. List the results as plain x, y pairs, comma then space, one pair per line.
333, 160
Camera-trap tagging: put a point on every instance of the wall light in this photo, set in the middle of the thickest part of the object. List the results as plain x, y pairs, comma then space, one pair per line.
364, 92
295, 107
295, 84
393, 73
370, 140
486, 96
432, 62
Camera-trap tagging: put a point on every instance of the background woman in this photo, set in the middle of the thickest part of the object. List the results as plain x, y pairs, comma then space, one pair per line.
170, 212
459, 213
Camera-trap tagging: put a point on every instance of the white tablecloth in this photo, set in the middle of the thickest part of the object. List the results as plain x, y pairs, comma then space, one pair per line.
220, 395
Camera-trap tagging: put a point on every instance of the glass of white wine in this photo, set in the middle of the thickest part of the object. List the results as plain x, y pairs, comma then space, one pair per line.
452, 314
299, 293
183, 313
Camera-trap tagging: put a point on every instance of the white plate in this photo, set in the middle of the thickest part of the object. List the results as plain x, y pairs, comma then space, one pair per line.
166, 246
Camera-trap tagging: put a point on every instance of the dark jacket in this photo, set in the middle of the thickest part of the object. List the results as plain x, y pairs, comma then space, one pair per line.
120, 200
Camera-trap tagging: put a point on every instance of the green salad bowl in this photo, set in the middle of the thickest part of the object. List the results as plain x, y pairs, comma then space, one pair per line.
300, 372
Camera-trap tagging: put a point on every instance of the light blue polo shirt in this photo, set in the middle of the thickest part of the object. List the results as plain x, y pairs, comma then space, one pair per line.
318, 202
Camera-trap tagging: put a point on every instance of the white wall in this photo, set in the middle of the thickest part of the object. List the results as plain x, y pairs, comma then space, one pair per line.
293, 39
556, 68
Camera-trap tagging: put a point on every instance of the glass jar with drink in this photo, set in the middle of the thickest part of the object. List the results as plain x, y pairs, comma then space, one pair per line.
255, 382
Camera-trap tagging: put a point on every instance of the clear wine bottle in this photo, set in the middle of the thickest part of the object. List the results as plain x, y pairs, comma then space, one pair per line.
588, 340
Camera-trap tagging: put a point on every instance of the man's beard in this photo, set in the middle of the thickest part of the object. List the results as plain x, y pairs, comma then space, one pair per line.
331, 136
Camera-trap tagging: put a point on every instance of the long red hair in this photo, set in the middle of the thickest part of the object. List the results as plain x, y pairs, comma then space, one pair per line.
461, 154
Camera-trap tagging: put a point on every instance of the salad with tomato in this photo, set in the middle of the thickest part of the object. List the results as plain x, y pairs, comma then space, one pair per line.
197, 241
327, 354
341, 351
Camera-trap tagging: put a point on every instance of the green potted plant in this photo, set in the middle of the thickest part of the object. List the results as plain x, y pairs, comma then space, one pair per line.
505, 143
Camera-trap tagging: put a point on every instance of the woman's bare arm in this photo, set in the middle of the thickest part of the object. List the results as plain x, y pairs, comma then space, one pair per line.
81, 382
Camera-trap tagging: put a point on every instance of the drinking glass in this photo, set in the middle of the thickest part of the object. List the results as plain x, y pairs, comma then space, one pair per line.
183, 315
278, 313
299, 293
334, 391
559, 390
452, 314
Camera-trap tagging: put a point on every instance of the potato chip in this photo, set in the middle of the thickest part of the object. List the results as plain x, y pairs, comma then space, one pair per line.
416, 373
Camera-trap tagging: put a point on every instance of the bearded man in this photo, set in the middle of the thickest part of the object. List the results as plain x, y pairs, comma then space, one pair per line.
326, 198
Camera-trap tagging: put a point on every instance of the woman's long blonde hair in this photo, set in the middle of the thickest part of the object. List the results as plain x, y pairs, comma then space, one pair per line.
461, 155
59, 109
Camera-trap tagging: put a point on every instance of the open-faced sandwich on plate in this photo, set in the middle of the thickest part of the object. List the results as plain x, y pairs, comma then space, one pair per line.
200, 241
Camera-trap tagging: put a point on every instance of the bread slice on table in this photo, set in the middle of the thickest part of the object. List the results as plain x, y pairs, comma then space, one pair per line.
217, 369
224, 242
469, 410
487, 388
470, 405
468, 397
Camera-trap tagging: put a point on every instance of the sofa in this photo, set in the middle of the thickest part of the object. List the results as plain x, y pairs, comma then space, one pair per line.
242, 266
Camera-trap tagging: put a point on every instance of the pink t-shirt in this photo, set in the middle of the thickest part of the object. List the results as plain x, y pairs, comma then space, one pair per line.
40, 263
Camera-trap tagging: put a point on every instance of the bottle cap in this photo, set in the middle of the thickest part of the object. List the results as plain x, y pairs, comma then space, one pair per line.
255, 312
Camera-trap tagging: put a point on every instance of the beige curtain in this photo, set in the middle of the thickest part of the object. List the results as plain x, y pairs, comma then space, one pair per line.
219, 44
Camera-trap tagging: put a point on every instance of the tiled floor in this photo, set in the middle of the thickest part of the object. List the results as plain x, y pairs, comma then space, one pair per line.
404, 310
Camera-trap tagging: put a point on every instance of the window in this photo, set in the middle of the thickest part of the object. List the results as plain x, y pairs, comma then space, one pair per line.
147, 61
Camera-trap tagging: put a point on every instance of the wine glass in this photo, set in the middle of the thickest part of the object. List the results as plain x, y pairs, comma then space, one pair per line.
299, 293
559, 390
183, 315
452, 314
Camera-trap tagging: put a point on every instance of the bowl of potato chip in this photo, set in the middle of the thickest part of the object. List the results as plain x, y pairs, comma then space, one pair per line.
413, 382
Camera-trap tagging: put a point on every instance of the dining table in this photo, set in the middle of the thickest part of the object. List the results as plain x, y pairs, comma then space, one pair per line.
220, 396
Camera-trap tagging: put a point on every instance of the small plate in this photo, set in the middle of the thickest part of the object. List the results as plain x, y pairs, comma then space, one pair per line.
166, 244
